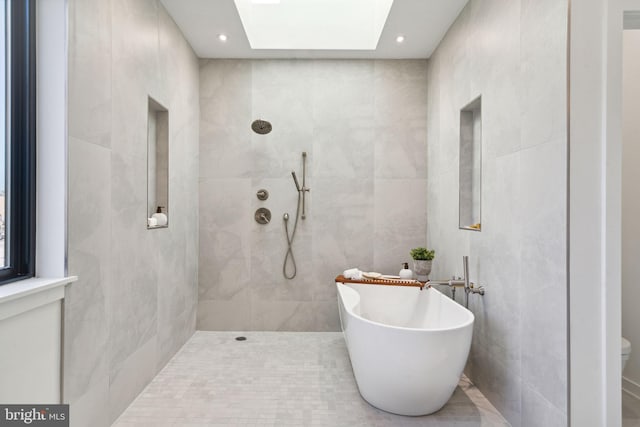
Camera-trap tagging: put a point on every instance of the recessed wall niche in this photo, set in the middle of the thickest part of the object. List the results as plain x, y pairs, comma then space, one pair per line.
157, 165
470, 165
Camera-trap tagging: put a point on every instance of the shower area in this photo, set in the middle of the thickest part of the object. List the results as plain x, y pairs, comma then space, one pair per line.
361, 125
380, 137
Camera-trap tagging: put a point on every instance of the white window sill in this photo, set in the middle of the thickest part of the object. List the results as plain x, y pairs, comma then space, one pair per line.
24, 295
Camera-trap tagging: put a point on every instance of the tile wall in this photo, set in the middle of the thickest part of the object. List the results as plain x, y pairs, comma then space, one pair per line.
363, 124
135, 302
513, 53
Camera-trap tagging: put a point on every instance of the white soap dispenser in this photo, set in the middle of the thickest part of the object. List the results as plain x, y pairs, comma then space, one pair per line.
160, 217
405, 273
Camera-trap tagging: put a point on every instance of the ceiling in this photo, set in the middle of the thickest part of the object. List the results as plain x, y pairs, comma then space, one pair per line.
423, 23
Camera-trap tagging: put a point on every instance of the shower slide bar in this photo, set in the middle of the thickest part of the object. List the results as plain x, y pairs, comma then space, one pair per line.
304, 189
289, 258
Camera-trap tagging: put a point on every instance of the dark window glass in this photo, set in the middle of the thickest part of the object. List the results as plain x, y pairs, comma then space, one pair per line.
17, 148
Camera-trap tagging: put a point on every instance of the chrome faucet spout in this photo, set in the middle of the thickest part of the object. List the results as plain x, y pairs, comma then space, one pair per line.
451, 283
467, 284
465, 266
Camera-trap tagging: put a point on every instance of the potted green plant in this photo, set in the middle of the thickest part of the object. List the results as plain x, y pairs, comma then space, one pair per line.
422, 259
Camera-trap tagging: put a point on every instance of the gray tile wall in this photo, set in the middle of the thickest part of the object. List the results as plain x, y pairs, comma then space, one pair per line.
363, 124
513, 53
135, 302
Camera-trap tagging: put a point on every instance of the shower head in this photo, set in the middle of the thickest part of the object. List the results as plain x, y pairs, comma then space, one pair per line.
285, 216
261, 127
295, 179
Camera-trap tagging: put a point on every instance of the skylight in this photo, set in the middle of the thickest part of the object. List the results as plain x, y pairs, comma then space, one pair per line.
313, 24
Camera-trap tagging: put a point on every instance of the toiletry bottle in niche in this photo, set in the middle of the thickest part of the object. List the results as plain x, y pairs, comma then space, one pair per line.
405, 273
160, 217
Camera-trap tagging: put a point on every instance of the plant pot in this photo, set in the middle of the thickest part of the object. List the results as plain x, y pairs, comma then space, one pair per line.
422, 268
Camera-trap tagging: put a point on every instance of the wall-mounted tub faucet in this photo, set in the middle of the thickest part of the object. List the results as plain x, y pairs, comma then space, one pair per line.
464, 283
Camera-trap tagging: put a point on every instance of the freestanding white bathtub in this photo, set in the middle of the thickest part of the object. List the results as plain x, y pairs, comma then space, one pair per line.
408, 347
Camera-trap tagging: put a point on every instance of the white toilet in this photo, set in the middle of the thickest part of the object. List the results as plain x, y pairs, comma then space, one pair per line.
625, 351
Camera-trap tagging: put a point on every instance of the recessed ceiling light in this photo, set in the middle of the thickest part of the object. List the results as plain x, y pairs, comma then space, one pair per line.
222, 37
399, 39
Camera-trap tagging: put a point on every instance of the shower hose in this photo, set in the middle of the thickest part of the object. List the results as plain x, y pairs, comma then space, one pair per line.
289, 255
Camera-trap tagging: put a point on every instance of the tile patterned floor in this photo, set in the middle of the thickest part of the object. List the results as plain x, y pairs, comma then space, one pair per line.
278, 379
630, 411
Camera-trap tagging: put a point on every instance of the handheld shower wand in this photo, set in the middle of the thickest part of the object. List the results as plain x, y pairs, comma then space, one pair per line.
295, 180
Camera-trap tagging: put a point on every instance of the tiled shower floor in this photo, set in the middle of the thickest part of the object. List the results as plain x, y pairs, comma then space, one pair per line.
630, 411
278, 379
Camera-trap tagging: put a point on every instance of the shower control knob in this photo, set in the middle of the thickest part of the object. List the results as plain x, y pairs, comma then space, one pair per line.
262, 194
263, 216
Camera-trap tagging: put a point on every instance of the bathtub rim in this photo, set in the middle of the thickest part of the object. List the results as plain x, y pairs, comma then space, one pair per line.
403, 328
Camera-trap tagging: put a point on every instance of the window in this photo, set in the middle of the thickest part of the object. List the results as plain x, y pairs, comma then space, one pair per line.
18, 147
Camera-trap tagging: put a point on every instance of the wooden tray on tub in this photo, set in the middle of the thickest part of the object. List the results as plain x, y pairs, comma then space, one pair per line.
383, 281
